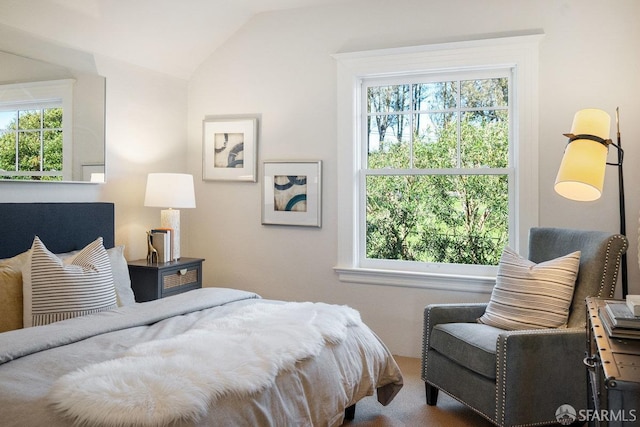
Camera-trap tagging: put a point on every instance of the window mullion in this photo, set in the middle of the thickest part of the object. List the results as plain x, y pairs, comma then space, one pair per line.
17, 146
426, 172
459, 125
41, 133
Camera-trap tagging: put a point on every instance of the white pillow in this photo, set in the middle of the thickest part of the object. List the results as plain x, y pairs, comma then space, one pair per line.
529, 295
53, 290
121, 279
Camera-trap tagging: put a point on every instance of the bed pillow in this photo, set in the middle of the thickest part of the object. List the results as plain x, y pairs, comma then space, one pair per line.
529, 295
11, 292
121, 279
54, 290
120, 271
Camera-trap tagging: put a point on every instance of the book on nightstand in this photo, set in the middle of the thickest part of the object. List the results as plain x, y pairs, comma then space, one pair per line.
161, 241
621, 316
616, 331
171, 235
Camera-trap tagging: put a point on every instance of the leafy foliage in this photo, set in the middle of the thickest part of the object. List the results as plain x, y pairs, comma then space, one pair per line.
419, 208
32, 142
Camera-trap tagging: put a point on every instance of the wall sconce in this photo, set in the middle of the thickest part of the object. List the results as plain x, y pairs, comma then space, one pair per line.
581, 173
170, 190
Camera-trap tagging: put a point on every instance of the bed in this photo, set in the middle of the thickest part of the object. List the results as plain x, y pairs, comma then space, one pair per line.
214, 356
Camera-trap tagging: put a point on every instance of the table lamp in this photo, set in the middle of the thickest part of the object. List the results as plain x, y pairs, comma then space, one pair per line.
171, 191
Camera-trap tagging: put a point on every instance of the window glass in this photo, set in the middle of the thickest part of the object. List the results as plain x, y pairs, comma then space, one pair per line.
36, 131
39, 146
388, 141
437, 218
437, 179
435, 96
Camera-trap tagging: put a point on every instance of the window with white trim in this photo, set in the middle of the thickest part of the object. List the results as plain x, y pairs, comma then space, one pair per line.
437, 161
35, 130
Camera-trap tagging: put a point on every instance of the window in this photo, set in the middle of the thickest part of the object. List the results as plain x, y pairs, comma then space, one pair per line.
436, 172
437, 161
35, 134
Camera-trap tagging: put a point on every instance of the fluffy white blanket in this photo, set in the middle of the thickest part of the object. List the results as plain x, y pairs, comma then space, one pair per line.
160, 381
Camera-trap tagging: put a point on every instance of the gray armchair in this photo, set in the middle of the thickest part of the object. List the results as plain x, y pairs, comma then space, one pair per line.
521, 377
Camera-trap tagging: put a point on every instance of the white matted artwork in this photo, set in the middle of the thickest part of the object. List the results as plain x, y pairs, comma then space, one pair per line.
229, 148
292, 193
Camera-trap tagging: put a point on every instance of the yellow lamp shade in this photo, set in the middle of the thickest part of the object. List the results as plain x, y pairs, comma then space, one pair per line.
591, 121
581, 173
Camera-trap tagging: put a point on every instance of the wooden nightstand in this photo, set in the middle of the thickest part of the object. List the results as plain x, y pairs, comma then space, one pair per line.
613, 373
151, 281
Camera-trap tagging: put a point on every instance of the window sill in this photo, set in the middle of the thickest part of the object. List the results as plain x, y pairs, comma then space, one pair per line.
448, 282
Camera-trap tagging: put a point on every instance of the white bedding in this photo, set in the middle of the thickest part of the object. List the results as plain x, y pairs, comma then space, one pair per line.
313, 390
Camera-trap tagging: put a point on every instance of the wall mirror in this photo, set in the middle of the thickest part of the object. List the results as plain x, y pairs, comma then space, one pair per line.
52, 122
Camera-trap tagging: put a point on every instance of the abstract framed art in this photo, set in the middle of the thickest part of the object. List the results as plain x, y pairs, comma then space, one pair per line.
292, 193
229, 147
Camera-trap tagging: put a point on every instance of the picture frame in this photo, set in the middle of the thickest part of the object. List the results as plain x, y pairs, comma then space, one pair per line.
292, 193
229, 148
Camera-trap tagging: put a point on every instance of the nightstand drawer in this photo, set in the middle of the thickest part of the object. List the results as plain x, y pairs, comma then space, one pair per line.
151, 281
171, 281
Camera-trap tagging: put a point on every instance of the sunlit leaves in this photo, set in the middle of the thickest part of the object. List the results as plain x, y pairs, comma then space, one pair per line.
31, 141
441, 216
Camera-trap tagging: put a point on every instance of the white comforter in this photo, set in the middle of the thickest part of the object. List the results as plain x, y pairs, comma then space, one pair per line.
312, 390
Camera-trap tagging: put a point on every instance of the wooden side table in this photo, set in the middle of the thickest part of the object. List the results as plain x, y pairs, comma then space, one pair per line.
151, 281
613, 372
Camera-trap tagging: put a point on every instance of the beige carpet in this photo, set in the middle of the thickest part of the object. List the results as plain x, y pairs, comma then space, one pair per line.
410, 409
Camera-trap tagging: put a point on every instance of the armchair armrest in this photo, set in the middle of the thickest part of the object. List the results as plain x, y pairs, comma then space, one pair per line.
435, 314
523, 357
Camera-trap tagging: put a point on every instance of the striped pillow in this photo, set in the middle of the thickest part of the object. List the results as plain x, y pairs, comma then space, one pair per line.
54, 290
529, 295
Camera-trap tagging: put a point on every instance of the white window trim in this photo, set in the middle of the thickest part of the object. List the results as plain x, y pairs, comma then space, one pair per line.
21, 95
519, 53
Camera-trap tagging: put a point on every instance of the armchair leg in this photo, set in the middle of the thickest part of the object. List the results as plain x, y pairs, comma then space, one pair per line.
432, 394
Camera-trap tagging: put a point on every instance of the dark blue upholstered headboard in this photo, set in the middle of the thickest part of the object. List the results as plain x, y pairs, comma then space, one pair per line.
62, 227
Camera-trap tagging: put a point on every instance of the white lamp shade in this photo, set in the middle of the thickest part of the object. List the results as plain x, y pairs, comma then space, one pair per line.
581, 173
170, 190
97, 177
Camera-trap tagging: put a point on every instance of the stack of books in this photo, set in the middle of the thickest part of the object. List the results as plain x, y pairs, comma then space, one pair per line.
619, 320
162, 242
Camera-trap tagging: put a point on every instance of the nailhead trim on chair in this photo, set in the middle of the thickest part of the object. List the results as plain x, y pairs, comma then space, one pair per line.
425, 344
501, 377
615, 274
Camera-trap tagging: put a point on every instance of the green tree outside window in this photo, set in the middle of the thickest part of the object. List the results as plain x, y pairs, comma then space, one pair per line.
453, 212
32, 142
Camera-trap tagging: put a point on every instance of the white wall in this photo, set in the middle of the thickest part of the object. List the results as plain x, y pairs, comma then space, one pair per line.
146, 132
279, 65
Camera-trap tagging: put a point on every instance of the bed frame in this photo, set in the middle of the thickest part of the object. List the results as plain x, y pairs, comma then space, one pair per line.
62, 227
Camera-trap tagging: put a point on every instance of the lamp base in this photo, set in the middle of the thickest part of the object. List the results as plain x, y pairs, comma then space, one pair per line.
170, 218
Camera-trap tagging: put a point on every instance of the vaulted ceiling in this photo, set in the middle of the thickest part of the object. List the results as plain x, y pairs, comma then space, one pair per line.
169, 36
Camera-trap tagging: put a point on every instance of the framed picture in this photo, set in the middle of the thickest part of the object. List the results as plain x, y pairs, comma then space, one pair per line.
229, 148
292, 193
